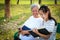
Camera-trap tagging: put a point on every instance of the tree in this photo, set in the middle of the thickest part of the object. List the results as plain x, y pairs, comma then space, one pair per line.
7, 8
39, 1
55, 1
17, 1
31, 1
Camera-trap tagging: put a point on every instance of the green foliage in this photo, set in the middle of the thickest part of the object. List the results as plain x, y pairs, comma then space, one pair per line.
19, 14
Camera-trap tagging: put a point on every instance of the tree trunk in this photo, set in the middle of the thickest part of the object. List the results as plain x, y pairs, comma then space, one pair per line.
55, 1
39, 1
7, 8
17, 1
31, 1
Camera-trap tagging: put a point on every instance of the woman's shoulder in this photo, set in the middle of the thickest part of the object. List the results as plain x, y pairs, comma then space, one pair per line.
30, 16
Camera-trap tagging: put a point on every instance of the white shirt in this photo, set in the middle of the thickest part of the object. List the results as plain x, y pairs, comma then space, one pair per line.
32, 23
50, 26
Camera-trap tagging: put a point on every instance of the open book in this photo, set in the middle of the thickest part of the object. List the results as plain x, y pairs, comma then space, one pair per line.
42, 31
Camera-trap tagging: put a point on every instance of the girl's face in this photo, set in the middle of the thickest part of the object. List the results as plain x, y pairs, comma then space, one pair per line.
43, 15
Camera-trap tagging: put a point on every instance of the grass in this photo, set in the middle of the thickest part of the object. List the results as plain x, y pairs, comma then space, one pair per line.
22, 11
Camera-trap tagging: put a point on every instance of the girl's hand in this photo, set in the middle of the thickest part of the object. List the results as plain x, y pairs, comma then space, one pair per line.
35, 31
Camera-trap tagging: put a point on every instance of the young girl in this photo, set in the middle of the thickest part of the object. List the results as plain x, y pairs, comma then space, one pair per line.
49, 23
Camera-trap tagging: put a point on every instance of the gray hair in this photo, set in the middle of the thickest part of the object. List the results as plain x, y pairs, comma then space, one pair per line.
35, 5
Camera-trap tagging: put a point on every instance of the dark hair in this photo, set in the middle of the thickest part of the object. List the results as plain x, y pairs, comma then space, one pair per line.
45, 8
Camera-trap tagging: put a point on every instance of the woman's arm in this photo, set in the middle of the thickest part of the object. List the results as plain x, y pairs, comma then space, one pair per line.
23, 32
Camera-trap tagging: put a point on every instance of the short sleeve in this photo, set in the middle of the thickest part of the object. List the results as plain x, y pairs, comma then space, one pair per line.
50, 26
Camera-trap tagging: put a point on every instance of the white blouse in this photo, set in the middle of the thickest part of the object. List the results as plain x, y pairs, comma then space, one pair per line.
32, 23
50, 26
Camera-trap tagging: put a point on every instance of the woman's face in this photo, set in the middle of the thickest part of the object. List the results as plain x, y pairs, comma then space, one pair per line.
35, 11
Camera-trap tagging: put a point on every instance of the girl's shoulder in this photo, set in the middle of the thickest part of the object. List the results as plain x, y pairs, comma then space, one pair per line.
52, 21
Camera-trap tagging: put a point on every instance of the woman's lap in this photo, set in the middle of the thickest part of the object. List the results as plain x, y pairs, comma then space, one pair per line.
30, 37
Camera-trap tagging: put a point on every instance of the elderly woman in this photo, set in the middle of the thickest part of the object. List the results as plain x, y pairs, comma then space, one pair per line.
34, 21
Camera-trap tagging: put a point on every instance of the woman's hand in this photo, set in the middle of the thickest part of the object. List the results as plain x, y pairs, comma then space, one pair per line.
19, 29
23, 32
35, 31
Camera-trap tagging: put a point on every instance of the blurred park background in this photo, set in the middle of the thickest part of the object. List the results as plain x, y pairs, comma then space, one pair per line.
13, 13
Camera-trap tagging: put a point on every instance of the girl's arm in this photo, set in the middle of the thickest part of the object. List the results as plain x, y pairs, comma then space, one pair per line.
41, 35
